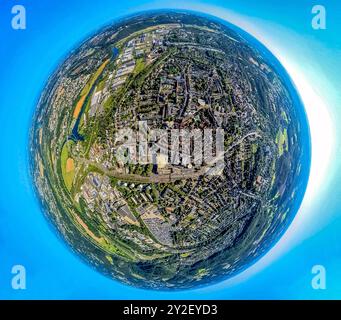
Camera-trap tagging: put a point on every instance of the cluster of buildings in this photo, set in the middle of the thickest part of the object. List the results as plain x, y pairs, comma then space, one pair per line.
102, 198
117, 212
180, 93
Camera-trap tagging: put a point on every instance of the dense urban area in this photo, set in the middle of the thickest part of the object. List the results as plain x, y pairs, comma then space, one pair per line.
171, 215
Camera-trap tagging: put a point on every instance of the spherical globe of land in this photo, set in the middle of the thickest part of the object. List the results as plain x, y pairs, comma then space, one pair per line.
170, 150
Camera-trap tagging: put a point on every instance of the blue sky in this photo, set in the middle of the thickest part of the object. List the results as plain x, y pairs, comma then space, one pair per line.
312, 58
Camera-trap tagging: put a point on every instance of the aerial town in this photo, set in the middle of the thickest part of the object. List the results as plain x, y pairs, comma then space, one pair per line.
160, 144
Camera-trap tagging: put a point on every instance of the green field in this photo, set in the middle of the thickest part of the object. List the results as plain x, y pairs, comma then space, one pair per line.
282, 141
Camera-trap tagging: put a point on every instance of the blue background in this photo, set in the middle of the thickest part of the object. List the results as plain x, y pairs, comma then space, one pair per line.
28, 57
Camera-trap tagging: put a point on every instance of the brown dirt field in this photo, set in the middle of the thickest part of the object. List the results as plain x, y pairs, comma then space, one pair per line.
70, 165
78, 107
80, 103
